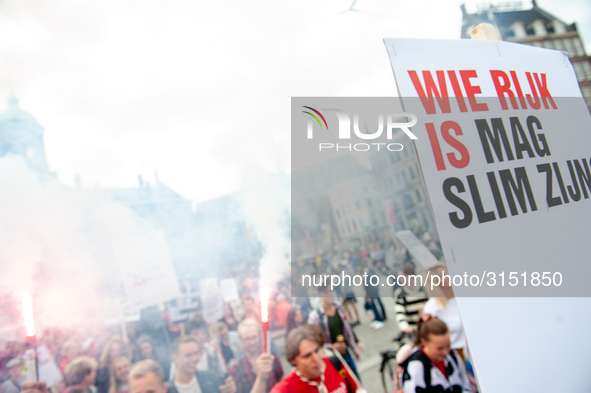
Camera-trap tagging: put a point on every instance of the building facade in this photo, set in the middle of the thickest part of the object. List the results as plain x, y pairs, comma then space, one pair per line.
341, 202
398, 179
535, 27
21, 135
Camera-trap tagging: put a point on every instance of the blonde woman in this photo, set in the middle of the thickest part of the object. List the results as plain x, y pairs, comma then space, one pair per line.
442, 304
119, 375
112, 350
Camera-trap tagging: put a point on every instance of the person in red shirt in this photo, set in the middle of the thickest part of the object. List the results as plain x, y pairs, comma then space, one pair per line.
313, 372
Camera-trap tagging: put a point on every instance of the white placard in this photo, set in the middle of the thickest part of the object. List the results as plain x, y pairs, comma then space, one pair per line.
212, 300
146, 270
418, 250
229, 289
508, 337
46, 367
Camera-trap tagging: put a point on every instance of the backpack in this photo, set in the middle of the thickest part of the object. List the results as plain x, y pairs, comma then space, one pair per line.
402, 373
342, 370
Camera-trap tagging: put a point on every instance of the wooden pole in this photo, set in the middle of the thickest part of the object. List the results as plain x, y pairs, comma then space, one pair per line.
484, 31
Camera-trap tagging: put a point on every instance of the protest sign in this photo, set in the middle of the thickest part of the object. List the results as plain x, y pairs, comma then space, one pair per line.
212, 300
502, 141
146, 270
417, 249
46, 367
180, 308
229, 289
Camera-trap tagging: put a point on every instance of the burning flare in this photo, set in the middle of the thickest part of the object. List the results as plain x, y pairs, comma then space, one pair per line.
28, 314
265, 320
264, 309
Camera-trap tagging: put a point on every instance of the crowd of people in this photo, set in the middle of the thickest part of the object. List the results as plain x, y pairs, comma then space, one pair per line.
227, 356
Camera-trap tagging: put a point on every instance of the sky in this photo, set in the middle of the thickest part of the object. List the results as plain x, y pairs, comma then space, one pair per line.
198, 91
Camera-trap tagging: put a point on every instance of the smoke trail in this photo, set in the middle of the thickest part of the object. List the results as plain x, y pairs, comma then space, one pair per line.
267, 209
59, 245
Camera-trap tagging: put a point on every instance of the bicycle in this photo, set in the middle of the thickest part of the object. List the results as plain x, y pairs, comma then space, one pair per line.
389, 365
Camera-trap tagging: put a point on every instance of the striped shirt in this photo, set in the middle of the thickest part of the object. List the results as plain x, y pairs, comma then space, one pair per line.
408, 303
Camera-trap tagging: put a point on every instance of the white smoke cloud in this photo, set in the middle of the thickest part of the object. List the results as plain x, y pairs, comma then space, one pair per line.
266, 206
59, 245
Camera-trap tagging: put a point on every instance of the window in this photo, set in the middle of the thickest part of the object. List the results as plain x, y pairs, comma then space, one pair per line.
338, 214
548, 44
354, 226
412, 173
348, 228
369, 202
407, 201
558, 45
404, 177
539, 28
587, 70
538, 44
558, 27
578, 47
579, 71
586, 90
569, 47
518, 30
419, 198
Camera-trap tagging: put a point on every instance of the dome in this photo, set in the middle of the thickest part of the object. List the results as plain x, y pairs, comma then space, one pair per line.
14, 113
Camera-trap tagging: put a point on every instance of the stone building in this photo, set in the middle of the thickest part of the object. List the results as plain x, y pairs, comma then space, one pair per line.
21, 135
536, 27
